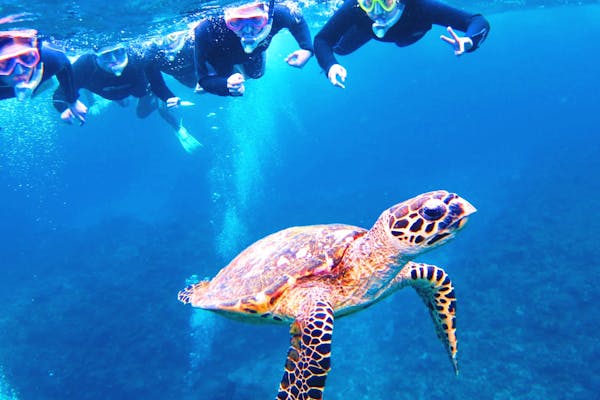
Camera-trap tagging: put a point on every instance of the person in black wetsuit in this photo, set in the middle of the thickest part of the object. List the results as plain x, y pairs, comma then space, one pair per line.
173, 54
240, 37
116, 73
25, 64
402, 22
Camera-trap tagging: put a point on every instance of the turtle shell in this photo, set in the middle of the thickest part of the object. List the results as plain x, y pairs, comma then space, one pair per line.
269, 266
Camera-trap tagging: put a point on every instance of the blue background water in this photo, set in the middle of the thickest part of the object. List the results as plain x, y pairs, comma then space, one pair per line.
101, 225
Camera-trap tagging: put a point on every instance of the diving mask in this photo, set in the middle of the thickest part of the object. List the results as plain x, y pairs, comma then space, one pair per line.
27, 57
174, 41
250, 22
113, 59
369, 5
18, 47
384, 13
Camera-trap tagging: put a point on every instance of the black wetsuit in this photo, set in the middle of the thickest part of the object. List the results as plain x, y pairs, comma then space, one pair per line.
139, 78
180, 65
55, 63
218, 48
350, 28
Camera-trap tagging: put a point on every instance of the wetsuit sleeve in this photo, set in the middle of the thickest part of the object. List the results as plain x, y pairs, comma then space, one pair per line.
57, 64
478, 29
7, 92
331, 33
211, 83
475, 26
296, 24
82, 69
157, 82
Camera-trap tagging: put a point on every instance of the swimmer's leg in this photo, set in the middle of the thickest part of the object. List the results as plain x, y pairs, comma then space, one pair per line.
173, 118
146, 105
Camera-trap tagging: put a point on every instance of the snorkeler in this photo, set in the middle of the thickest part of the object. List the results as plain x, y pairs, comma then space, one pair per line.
402, 22
117, 72
173, 54
240, 37
25, 64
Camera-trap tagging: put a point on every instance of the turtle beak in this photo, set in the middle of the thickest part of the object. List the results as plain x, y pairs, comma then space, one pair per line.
467, 210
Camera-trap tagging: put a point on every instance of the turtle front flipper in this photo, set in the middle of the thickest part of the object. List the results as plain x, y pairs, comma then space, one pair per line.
308, 358
437, 292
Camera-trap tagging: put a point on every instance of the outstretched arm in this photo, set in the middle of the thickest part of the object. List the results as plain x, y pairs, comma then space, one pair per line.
211, 83
65, 98
331, 33
294, 21
159, 86
475, 26
57, 63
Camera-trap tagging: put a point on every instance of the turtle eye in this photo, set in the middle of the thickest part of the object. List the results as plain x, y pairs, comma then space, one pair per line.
433, 210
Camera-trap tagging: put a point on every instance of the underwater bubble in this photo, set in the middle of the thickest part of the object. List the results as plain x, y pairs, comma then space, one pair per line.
233, 235
203, 331
192, 280
6, 391
29, 155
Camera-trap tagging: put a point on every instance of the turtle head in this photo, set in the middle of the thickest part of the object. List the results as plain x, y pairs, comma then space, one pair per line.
426, 221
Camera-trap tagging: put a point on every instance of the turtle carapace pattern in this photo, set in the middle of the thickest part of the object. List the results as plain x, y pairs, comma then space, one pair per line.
307, 276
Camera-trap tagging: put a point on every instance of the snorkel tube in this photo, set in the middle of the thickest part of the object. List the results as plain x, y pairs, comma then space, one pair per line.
383, 13
383, 22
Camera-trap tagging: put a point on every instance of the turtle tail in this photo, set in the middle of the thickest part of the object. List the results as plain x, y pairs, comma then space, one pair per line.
191, 294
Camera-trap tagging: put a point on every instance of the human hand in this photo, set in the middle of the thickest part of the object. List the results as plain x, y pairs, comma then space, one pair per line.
336, 71
235, 84
173, 102
459, 43
76, 112
298, 58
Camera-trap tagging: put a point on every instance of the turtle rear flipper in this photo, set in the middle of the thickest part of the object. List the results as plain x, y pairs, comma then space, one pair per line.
308, 358
437, 292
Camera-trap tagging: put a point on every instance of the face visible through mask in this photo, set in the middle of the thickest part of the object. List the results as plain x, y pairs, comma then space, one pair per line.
20, 66
113, 59
250, 22
19, 56
383, 13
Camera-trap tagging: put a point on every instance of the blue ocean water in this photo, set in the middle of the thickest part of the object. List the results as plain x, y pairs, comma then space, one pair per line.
102, 225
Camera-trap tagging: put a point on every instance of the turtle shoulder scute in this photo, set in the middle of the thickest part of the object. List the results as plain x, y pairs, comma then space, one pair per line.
275, 262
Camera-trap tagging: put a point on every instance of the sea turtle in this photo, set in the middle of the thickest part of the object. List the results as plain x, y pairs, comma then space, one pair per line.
305, 276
